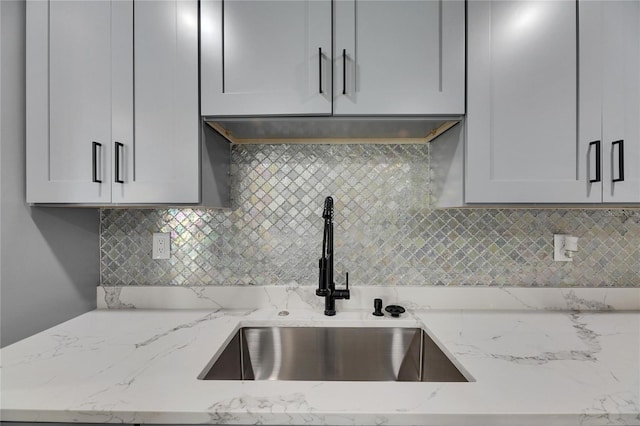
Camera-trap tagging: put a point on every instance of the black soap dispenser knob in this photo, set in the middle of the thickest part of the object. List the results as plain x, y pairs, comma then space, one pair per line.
395, 310
377, 306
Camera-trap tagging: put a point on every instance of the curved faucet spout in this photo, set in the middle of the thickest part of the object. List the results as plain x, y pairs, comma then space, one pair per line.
326, 286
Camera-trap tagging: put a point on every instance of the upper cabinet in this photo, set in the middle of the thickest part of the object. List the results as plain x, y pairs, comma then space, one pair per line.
161, 162
522, 94
610, 79
104, 126
553, 102
266, 57
398, 57
317, 58
68, 97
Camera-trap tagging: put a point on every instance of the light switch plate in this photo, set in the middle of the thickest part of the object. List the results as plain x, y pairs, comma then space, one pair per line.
161, 245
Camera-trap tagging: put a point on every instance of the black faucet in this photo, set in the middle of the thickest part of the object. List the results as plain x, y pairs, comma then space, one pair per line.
326, 286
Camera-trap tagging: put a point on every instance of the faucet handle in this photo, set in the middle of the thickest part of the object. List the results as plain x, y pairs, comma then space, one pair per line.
345, 294
341, 293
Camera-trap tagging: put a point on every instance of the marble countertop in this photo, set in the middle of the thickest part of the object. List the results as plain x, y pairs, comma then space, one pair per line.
141, 366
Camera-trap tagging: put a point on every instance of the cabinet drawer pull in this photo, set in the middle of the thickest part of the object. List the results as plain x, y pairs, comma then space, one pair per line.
598, 160
344, 71
119, 147
320, 68
620, 144
94, 159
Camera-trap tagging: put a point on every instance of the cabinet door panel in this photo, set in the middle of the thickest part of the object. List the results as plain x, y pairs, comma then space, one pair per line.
160, 157
621, 100
590, 95
68, 100
262, 57
522, 140
402, 57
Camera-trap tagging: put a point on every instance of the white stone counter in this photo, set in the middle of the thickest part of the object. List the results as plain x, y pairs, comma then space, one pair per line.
528, 367
296, 296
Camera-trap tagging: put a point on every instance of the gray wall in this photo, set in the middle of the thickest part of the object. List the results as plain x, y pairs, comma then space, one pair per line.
49, 257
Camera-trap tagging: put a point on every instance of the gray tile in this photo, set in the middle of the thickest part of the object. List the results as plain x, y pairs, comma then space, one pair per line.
386, 234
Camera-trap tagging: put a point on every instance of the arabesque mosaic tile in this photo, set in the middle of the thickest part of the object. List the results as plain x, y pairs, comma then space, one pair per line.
385, 231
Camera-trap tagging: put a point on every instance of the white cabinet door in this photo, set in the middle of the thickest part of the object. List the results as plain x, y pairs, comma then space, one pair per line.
621, 101
97, 113
522, 141
265, 57
155, 109
399, 57
68, 101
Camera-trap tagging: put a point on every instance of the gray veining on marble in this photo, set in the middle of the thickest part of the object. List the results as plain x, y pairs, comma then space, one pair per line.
294, 296
141, 366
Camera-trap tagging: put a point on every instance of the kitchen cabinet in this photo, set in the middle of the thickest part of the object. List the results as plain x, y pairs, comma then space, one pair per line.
105, 125
398, 57
68, 101
522, 116
551, 87
344, 57
265, 57
610, 77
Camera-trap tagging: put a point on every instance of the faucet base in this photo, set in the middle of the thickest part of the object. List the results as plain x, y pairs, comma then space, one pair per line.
329, 313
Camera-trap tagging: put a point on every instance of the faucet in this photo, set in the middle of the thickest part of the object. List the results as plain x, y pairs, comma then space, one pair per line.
326, 286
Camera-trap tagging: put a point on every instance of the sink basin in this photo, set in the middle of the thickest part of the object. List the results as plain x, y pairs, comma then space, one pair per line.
332, 354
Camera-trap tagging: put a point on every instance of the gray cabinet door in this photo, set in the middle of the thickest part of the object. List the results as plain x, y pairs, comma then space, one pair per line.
265, 57
522, 112
97, 113
155, 108
68, 101
399, 57
621, 100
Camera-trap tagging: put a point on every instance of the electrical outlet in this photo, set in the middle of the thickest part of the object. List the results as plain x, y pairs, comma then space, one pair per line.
161, 245
564, 247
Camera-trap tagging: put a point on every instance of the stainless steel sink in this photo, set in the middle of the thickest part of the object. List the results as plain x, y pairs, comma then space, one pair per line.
332, 354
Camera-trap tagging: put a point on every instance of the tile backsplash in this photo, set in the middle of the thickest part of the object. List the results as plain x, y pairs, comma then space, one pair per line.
385, 231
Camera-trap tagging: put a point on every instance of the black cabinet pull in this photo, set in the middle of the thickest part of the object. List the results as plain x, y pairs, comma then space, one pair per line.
119, 146
94, 159
344, 71
598, 160
620, 144
320, 69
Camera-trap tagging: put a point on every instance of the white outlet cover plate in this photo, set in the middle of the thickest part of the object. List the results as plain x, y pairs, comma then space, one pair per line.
161, 245
558, 249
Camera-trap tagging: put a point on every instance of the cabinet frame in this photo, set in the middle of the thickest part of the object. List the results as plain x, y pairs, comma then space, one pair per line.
41, 187
119, 174
331, 30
